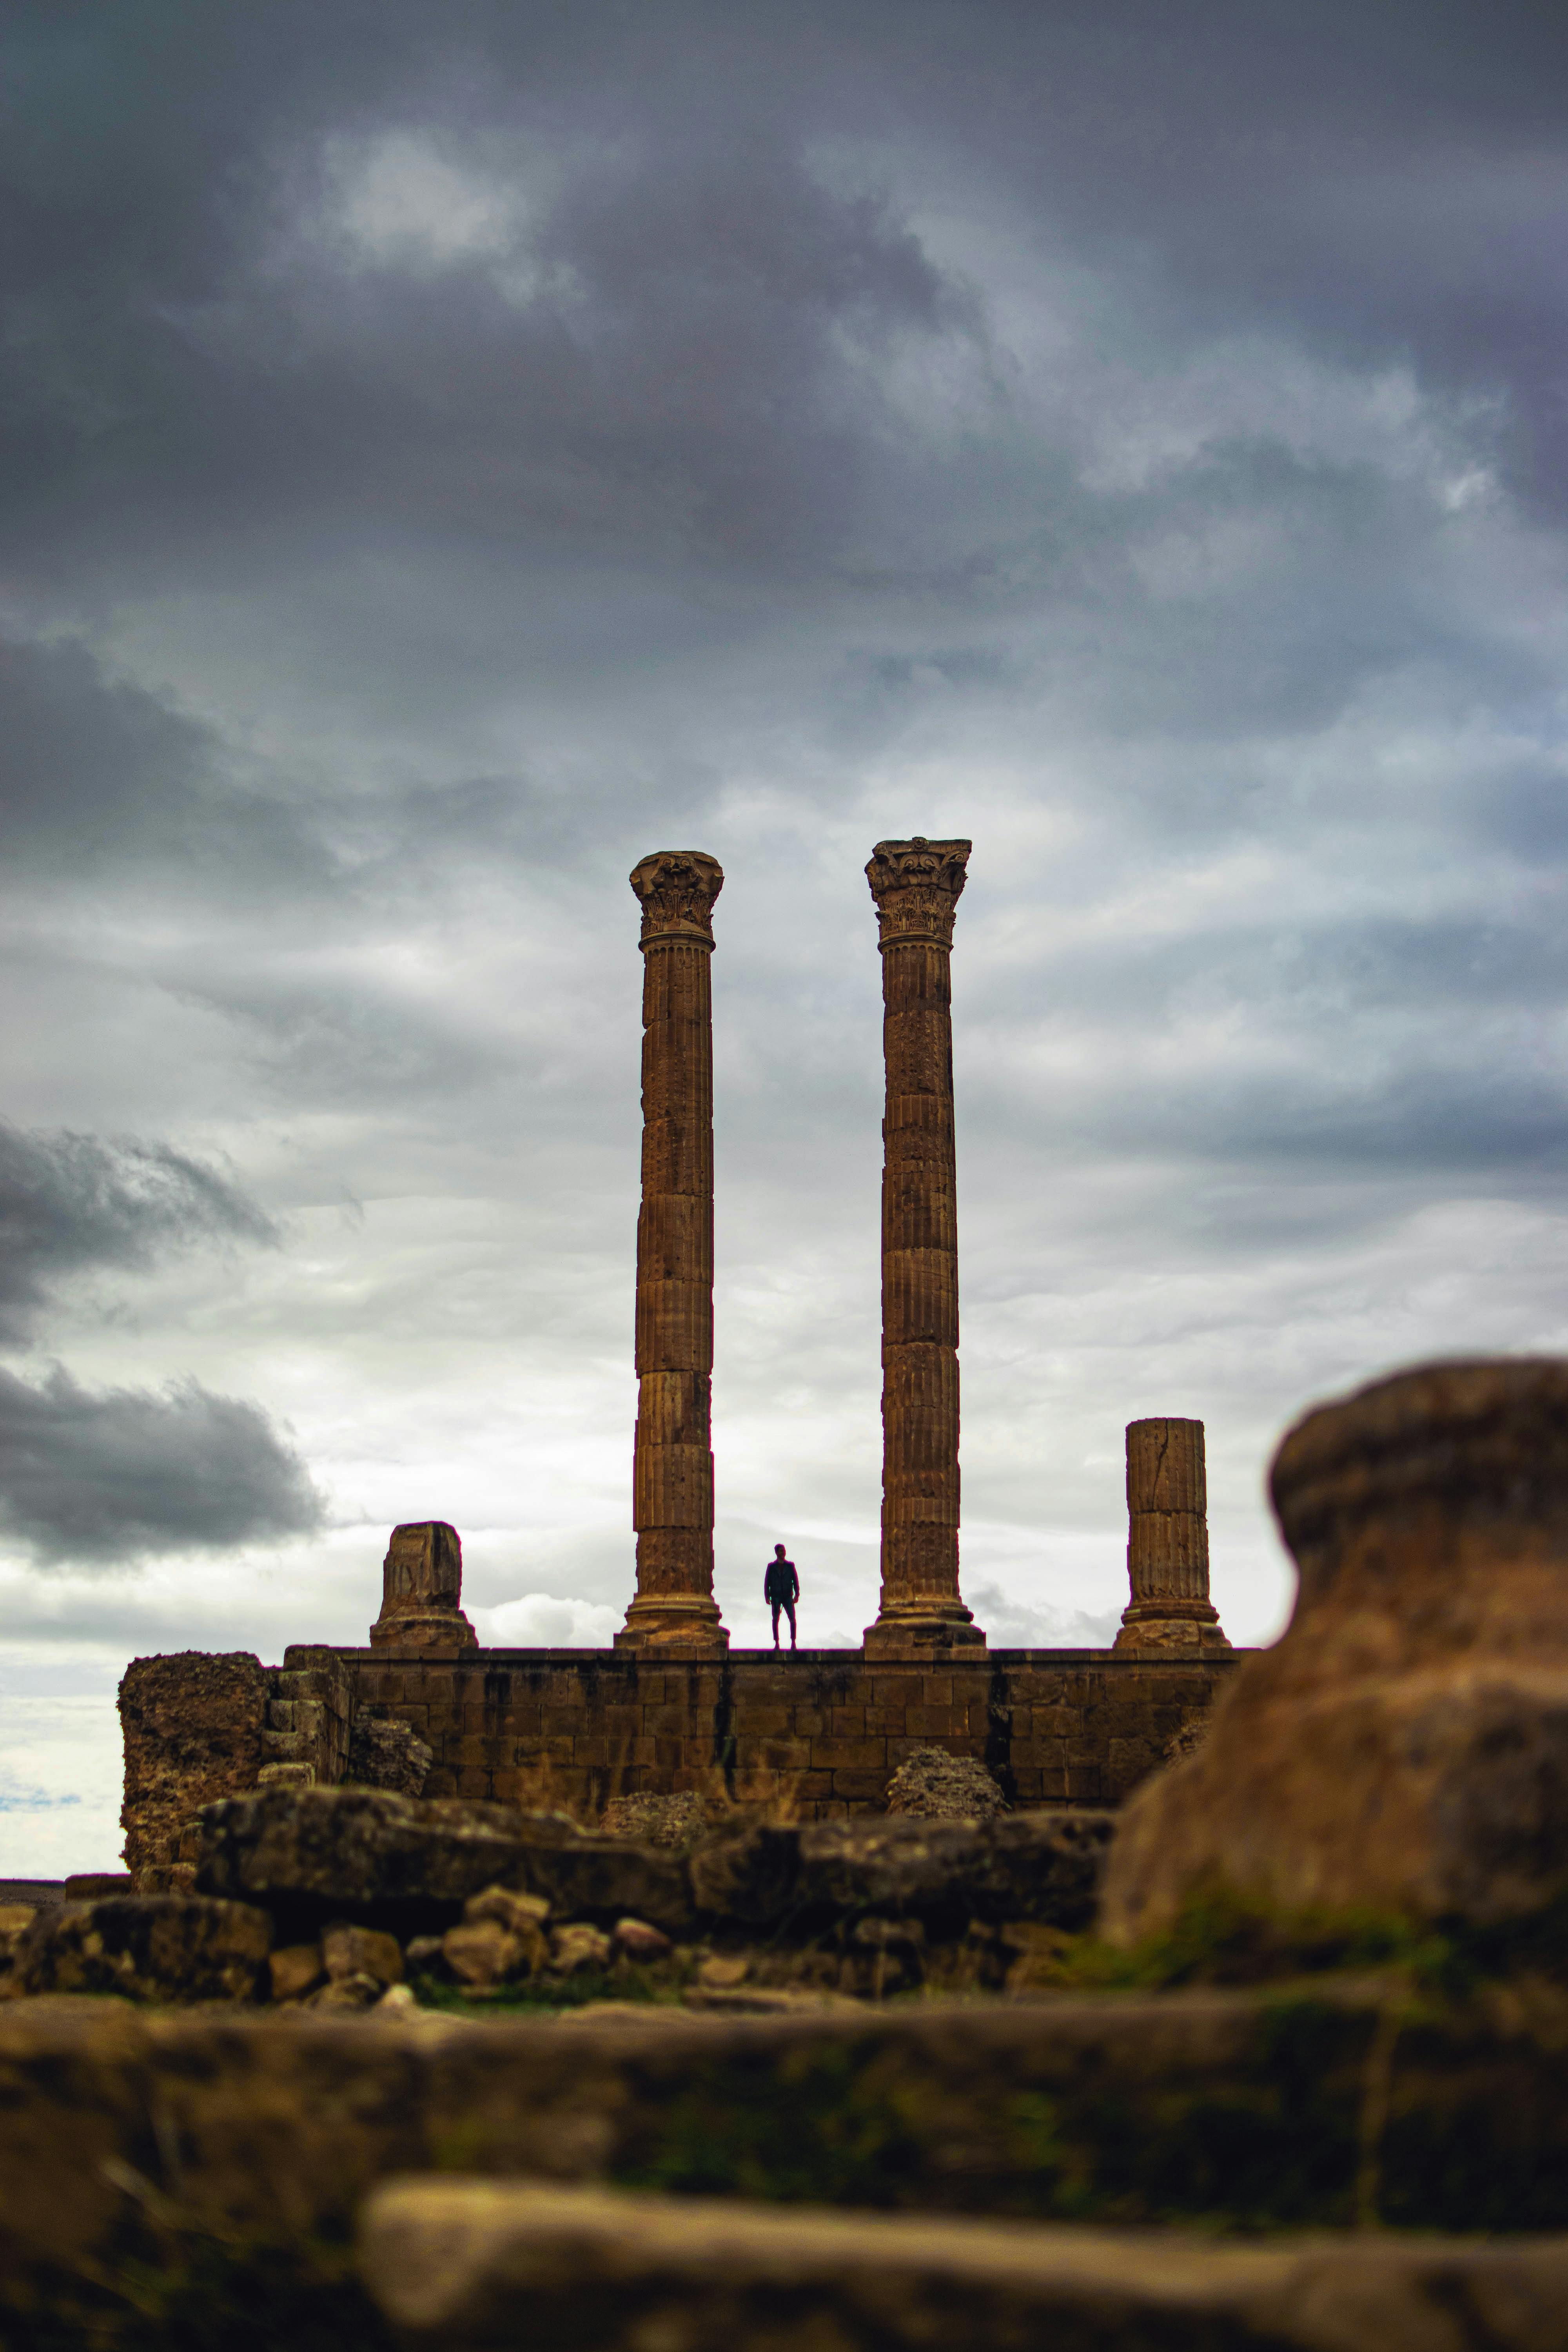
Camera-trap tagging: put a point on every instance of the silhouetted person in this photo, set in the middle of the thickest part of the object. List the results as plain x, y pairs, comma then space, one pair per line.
781, 1589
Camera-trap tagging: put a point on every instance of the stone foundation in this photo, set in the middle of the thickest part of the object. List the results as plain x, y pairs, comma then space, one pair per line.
818, 1734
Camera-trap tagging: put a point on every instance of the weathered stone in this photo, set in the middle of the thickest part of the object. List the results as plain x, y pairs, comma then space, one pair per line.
452, 2263
96, 1885
674, 1610
1168, 1541
287, 1776
578, 1946
193, 1730
150, 1947
125, 2126
384, 1753
641, 1941
1042, 1865
295, 1969
940, 1787
678, 1820
350, 1950
916, 885
325, 1852
482, 1952
596, 1881
1404, 1749
421, 1590
519, 1914
347, 1993
721, 1971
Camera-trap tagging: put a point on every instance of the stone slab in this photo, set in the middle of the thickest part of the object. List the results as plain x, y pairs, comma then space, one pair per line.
490, 2265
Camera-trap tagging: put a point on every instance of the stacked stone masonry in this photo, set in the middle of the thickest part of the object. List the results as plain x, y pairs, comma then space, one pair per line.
819, 1733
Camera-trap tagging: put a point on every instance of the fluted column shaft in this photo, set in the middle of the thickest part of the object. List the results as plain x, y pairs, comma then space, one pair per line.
1168, 1540
916, 886
672, 1459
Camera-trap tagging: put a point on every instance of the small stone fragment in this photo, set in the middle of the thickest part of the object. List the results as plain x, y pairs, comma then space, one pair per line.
287, 1776
350, 1951
722, 1971
294, 1971
579, 1946
482, 1953
641, 1942
397, 2000
423, 1952
516, 1913
347, 1992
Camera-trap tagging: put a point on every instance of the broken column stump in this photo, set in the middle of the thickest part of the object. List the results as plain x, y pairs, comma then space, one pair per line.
1168, 1540
421, 1590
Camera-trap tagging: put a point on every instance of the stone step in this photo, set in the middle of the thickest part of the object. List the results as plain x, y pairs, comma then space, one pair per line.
454, 2264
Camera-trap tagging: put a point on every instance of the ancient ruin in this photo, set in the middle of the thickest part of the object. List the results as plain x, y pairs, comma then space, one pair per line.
669, 1712
916, 885
1168, 1541
672, 1464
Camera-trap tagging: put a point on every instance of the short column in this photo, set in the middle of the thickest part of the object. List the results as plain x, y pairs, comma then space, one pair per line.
421, 1590
1168, 1540
673, 1457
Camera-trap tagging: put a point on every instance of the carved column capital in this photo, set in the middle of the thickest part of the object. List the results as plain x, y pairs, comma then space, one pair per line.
676, 889
916, 885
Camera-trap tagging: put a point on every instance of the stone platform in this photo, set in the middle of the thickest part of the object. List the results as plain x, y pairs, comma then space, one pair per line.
817, 1733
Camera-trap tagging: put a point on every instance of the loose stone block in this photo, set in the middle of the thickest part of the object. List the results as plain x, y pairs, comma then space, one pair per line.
149, 1948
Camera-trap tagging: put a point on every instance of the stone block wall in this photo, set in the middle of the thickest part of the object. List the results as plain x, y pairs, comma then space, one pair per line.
193, 1728
819, 1731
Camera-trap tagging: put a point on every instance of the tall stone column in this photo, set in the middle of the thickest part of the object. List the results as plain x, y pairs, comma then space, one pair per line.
672, 1460
916, 885
1168, 1541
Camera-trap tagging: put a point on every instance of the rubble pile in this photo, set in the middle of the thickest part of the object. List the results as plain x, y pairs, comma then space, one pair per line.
940, 1787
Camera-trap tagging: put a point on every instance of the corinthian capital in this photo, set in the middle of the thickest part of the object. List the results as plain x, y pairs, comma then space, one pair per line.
916, 885
677, 888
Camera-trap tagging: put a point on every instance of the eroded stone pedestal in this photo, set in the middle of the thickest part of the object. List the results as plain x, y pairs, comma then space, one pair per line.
421, 1590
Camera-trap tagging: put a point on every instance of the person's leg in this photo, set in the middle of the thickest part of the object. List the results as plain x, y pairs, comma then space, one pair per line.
776, 1625
790, 1607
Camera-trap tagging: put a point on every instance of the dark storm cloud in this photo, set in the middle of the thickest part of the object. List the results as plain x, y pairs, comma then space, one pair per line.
111, 1476
72, 1203
680, 340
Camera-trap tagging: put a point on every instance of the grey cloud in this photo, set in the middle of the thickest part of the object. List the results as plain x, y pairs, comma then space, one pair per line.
109, 1475
97, 773
71, 1203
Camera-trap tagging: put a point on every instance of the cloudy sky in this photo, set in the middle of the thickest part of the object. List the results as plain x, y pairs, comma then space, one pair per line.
450, 452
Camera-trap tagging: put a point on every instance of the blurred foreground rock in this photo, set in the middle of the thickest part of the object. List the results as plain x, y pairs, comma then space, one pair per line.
455, 2263
1404, 1749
